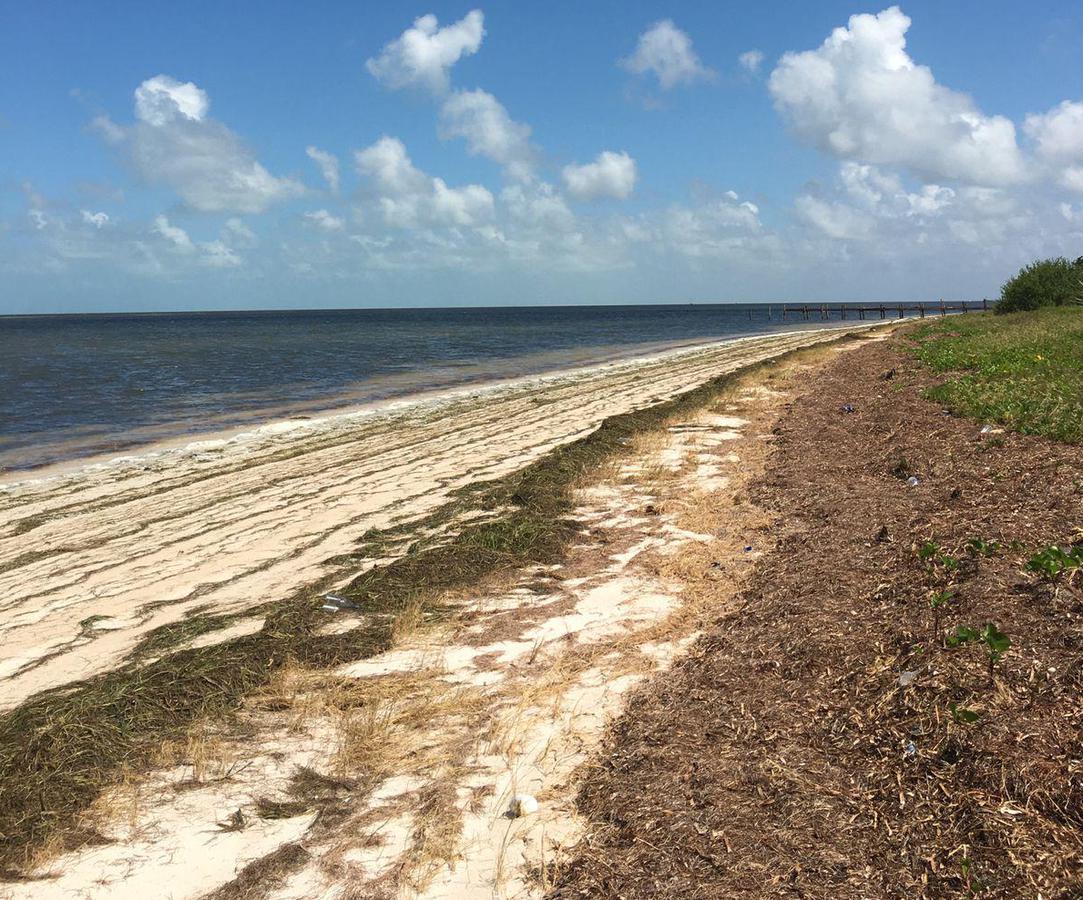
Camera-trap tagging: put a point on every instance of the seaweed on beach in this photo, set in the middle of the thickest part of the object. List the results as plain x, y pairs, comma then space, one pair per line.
257, 878
62, 748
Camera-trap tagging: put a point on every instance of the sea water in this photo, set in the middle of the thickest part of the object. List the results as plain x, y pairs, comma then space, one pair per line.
77, 385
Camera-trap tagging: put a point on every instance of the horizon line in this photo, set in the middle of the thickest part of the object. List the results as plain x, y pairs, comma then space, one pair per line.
344, 309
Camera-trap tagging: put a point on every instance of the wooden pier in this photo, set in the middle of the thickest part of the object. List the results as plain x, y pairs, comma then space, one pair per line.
881, 310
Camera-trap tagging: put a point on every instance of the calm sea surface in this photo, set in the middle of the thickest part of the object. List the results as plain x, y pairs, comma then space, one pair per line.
76, 385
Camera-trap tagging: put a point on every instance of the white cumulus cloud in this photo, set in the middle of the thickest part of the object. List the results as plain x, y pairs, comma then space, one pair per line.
860, 97
174, 143
751, 60
835, 219
236, 234
666, 51
97, 219
1059, 132
321, 218
483, 122
610, 175
471, 204
328, 166
162, 99
876, 208
408, 197
174, 234
538, 206
725, 228
423, 55
1072, 178
1058, 136
219, 255
387, 163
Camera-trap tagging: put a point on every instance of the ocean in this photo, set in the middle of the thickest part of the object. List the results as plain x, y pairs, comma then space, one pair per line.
73, 386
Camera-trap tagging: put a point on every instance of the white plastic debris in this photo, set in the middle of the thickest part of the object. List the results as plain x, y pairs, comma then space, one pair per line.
523, 805
336, 602
987, 429
907, 678
912, 481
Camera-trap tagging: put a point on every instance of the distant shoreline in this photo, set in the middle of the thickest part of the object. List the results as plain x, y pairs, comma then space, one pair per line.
232, 311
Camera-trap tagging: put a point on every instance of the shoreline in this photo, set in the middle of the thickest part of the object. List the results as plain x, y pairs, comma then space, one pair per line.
94, 560
568, 588
347, 414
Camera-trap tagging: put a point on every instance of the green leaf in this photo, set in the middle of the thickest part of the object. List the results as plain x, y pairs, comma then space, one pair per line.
997, 642
928, 550
962, 715
949, 562
941, 598
963, 634
983, 547
1053, 561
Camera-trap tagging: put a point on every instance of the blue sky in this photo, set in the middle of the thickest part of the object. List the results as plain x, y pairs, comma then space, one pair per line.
157, 156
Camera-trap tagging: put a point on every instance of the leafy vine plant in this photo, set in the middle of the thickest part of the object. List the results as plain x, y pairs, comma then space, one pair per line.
1055, 563
995, 642
938, 602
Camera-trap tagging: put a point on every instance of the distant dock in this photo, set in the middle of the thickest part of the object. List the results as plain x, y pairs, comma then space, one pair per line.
844, 311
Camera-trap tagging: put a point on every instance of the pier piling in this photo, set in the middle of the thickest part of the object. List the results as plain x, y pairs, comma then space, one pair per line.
842, 311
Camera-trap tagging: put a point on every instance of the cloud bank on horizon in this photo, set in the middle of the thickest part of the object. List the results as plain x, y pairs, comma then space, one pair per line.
922, 177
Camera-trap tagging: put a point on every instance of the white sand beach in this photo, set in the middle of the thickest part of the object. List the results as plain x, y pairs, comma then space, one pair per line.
506, 699
94, 557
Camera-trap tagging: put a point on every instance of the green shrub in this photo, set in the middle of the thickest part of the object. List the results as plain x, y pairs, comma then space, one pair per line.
1048, 282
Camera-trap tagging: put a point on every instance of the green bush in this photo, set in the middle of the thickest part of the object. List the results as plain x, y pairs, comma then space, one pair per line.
1048, 282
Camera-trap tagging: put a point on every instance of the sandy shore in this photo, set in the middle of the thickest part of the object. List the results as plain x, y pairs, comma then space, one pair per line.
92, 558
391, 774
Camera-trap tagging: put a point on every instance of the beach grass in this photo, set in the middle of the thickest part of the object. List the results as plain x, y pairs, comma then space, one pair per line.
1020, 370
61, 749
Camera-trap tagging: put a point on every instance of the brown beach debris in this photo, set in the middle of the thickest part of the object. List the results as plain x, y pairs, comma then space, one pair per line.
879, 717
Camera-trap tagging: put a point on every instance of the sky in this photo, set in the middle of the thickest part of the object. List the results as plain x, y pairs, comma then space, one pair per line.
206, 155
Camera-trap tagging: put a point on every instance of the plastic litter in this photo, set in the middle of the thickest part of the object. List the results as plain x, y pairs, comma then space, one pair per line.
523, 805
987, 429
748, 549
912, 481
847, 408
911, 750
908, 678
335, 603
